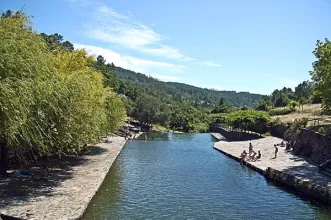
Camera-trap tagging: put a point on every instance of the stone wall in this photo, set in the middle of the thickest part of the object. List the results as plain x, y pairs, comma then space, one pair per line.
307, 188
278, 130
313, 145
234, 135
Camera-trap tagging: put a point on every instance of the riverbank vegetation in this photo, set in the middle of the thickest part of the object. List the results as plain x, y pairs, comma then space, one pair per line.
52, 99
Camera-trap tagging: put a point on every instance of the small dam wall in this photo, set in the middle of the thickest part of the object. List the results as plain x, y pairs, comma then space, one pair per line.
233, 135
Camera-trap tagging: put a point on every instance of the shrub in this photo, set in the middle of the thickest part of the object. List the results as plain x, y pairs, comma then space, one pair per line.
280, 111
296, 125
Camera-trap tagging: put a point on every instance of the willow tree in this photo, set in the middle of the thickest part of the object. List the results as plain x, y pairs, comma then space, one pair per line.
24, 66
50, 103
115, 112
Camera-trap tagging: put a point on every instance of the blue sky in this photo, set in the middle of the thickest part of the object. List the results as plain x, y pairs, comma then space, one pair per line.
241, 45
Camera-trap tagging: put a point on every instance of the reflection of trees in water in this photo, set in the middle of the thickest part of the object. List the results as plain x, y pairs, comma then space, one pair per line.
165, 136
108, 195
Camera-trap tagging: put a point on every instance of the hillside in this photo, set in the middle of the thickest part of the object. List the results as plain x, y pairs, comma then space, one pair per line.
183, 92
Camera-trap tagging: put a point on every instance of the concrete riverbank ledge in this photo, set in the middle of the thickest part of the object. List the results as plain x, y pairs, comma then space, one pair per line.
287, 169
67, 189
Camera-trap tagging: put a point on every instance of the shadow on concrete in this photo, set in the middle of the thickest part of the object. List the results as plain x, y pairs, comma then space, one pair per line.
16, 190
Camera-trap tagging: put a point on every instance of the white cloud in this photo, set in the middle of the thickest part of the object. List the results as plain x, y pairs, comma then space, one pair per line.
209, 63
147, 67
113, 27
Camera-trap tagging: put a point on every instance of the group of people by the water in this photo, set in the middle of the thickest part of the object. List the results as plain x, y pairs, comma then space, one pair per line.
287, 144
251, 155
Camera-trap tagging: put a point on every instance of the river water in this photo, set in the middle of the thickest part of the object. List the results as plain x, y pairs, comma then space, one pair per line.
181, 176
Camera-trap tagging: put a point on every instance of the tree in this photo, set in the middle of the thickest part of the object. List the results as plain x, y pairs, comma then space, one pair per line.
7, 14
281, 100
147, 108
221, 107
264, 104
55, 42
108, 72
301, 102
22, 77
101, 60
249, 120
293, 104
303, 90
50, 103
321, 73
68, 46
115, 112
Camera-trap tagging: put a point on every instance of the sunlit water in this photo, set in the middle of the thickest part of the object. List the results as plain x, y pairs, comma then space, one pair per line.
181, 176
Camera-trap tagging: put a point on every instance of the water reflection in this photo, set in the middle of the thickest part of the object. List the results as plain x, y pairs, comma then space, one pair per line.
180, 176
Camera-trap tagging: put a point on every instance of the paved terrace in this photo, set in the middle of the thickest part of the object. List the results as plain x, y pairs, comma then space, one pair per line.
285, 161
66, 191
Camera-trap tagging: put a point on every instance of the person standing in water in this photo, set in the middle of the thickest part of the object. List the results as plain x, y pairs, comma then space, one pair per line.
276, 151
145, 137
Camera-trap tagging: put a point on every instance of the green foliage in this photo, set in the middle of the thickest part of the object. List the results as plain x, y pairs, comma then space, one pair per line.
296, 126
244, 107
292, 104
221, 107
280, 98
264, 104
147, 109
24, 69
115, 112
280, 111
51, 102
172, 93
55, 43
303, 90
301, 102
187, 118
108, 72
321, 74
249, 120
324, 130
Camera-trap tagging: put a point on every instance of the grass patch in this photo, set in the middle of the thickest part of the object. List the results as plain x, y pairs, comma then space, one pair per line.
160, 128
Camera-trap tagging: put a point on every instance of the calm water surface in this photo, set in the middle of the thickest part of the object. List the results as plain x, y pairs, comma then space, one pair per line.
181, 176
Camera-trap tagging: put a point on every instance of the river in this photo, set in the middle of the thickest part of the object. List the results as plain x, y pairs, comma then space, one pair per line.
181, 176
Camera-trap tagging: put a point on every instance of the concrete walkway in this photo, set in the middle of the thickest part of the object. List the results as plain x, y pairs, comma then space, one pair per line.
285, 162
66, 191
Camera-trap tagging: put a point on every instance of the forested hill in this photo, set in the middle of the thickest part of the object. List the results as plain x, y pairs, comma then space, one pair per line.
184, 92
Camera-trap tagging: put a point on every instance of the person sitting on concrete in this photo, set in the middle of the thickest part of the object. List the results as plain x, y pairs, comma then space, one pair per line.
252, 157
243, 156
288, 146
258, 157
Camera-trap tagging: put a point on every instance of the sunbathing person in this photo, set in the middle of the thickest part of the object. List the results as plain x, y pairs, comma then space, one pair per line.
243, 156
252, 157
258, 156
282, 144
288, 145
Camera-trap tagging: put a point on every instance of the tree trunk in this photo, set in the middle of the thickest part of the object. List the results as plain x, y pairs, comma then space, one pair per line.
3, 159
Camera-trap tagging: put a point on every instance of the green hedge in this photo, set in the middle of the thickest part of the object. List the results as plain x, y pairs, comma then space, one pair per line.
280, 111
